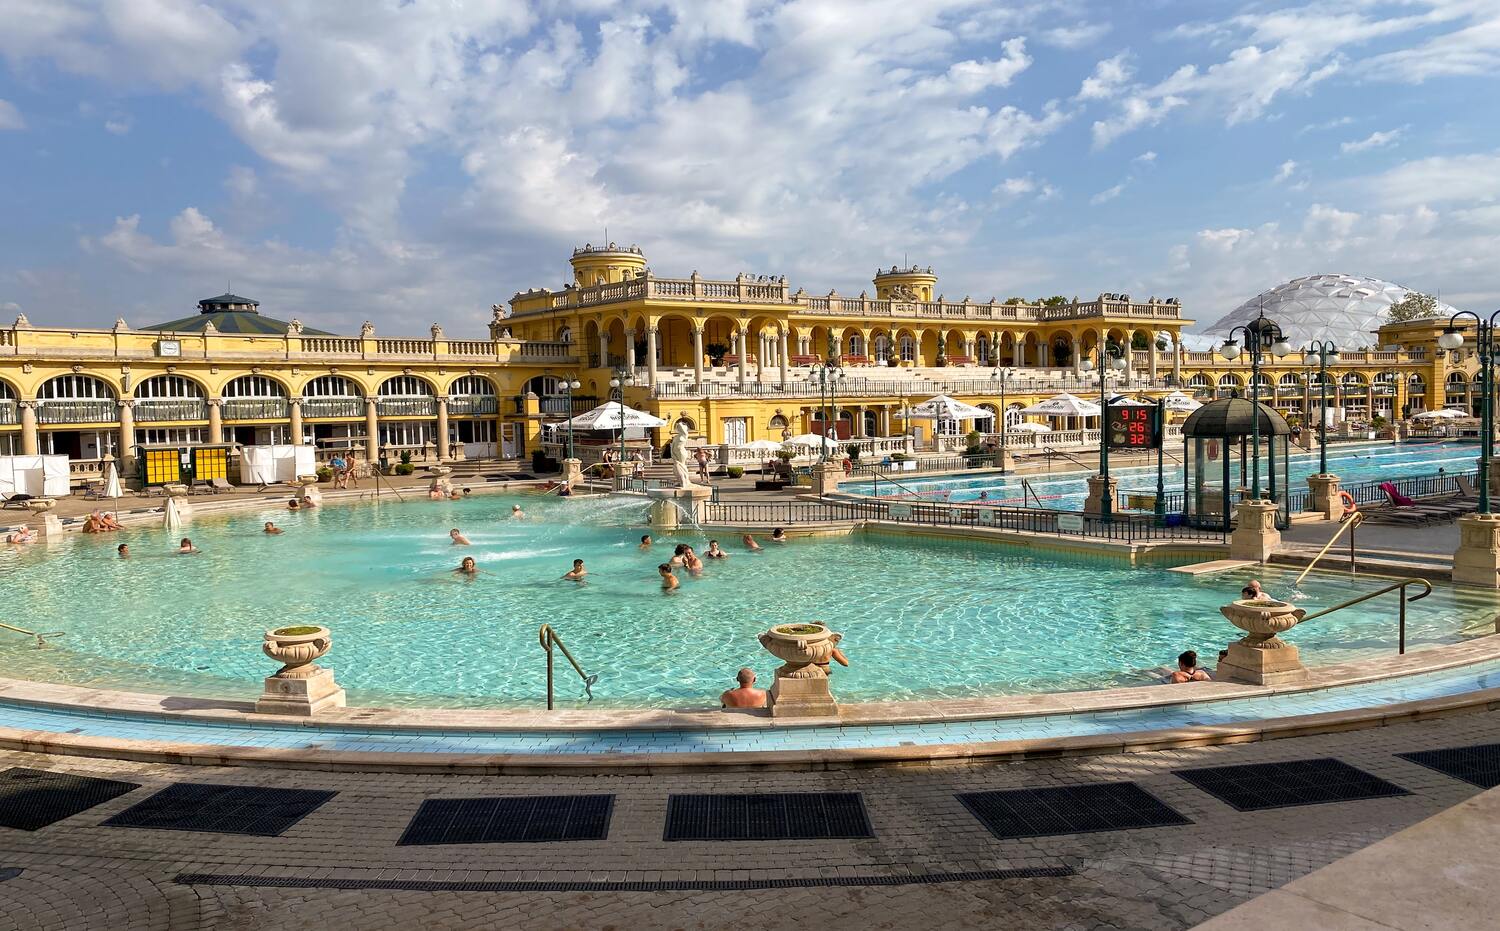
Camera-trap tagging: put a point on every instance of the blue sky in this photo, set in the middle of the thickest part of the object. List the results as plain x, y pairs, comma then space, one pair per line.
415, 162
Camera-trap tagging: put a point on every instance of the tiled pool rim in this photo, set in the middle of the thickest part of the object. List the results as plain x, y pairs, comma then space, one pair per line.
1459, 677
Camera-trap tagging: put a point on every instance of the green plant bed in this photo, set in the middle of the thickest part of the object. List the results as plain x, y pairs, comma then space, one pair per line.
405, 468
799, 629
735, 471
295, 631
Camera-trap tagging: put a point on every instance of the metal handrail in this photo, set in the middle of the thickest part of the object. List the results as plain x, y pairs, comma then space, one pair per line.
1354, 520
1054, 451
549, 637
40, 641
1027, 490
877, 473
1401, 585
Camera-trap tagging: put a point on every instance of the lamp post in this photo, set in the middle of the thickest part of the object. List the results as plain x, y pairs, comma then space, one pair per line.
1453, 338
1001, 375
1109, 359
827, 374
617, 385
1326, 354
569, 386
1261, 334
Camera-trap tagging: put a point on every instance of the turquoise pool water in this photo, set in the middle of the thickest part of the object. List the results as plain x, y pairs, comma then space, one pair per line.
921, 618
1067, 489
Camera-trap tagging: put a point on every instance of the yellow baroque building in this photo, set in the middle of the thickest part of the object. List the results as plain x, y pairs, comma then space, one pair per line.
733, 359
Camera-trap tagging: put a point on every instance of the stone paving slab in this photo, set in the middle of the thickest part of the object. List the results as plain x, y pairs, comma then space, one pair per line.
78, 874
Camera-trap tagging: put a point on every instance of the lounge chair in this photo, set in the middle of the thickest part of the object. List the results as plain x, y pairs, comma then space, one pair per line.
17, 500
220, 484
1395, 497
1466, 486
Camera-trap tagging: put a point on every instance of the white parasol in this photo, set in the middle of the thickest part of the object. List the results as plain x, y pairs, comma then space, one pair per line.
1063, 405
1177, 401
112, 488
1446, 413
612, 415
1027, 426
943, 407
171, 517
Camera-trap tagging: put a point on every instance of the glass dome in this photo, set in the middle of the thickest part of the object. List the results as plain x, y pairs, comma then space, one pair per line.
1346, 309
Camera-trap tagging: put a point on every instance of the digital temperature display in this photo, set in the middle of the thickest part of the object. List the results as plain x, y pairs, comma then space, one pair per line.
1133, 427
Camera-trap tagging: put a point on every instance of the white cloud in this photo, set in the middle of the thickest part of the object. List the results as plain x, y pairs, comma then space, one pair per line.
1375, 140
1109, 76
10, 117
1073, 37
1145, 158
1107, 195
1284, 171
1134, 112
967, 78
1016, 188
1326, 124
1457, 179
118, 127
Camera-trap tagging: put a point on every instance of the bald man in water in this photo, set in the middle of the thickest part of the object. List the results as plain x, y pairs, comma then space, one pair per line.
747, 695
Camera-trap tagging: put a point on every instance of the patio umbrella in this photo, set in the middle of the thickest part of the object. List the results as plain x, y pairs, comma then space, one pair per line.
943, 407
1029, 427
1177, 401
1063, 405
810, 439
171, 517
612, 415
762, 446
112, 484
1446, 413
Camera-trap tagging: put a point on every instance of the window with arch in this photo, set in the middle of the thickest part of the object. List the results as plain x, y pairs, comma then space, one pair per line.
545, 386
856, 344
332, 396
405, 386
9, 414
7, 393
1353, 380
1262, 381
982, 349
1199, 381
565, 334
1230, 381
169, 397
688, 421
987, 424
882, 345
76, 399
1457, 378
406, 396
331, 386
254, 397
778, 422
472, 395
908, 349
254, 386
1291, 381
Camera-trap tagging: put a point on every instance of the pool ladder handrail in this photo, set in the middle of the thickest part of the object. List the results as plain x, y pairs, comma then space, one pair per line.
878, 475
40, 638
1394, 586
1028, 492
549, 638
1354, 519
1054, 451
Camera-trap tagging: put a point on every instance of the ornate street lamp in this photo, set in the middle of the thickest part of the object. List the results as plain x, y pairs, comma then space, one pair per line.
1001, 375
1261, 334
827, 374
617, 385
1453, 338
569, 386
1322, 354
1109, 358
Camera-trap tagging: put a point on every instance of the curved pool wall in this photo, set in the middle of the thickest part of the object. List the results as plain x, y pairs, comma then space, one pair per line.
1066, 490
923, 619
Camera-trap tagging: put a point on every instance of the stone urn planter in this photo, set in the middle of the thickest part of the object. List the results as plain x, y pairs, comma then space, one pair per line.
308, 480
299, 687
801, 686
41, 505
297, 647
1261, 656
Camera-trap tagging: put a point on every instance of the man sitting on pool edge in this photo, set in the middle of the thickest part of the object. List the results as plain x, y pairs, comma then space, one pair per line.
746, 695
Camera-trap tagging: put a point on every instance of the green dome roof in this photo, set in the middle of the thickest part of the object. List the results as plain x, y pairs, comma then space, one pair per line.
231, 313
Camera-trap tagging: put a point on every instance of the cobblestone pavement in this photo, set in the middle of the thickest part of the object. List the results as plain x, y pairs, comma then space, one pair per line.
79, 875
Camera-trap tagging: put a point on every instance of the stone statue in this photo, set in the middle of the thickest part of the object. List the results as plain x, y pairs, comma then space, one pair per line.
680, 456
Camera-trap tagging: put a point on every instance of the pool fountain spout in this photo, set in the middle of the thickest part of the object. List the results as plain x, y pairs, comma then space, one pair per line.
299, 687
1261, 657
801, 687
669, 504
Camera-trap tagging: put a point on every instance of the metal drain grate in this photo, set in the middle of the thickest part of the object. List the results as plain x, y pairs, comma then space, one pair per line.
1478, 765
34, 798
1081, 809
521, 819
767, 816
1280, 785
804, 881
221, 809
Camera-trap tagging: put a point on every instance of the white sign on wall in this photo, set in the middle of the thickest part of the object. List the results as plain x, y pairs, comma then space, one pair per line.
899, 511
1070, 523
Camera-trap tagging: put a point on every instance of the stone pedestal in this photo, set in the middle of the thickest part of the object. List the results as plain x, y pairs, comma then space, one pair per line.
48, 526
1003, 460
801, 689
802, 698
312, 494
826, 477
1255, 535
1477, 559
572, 472
1261, 657
318, 692
1494, 478
1325, 496
672, 507
1101, 489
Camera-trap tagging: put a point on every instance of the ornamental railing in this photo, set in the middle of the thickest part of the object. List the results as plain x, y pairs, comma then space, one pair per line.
77, 410
407, 407
472, 405
255, 409
162, 410
325, 408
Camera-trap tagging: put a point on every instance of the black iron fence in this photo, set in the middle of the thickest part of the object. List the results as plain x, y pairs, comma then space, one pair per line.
1431, 485
895, 468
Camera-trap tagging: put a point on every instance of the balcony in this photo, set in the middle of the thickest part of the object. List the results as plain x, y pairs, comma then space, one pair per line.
473, 405
165, 410
73, 410
407, 407
255, 409
327, 408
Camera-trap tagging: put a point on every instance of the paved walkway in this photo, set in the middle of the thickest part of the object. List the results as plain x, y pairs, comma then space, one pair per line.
929, 864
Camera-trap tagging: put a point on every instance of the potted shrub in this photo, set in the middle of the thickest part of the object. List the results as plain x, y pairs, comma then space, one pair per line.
735, 471
325, 474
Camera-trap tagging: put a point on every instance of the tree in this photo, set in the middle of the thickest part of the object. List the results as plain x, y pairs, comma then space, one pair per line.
1014, 300
1052, 301
1415, 306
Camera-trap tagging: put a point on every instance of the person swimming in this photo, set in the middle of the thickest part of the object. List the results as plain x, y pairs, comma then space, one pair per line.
516, 513
124, 550
1188, 670
186, 547
679, 555
750, 543
645, 541
293, 505
668, 580
714, 552
270, 528
468, 567
1253, 592
691, 562
577, 573
778, 535
458, 538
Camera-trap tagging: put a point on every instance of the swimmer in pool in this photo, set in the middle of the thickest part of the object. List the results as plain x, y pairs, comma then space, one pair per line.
468, 567
668, 580
458, 538
270, 528
578, 572
714, 552
750, 543
516, 513
645, 542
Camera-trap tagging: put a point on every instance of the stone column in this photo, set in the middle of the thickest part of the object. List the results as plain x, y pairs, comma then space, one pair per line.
1325, 496
372, 432
1255, 535
294, 406
630, 351
698, 358
744, 369
1477, 559
1094, 503
603, 346
29, 440
127, 437
651, 357
1152, 349
760, 357
216, 420
1177, 361
442, 428
781, 356
1077, 357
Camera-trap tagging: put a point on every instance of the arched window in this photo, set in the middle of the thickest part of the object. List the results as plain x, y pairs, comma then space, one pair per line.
162, 398
1291, 381
1457, 378
777, 422
1230, 381
545, 386
405, 386
856, 345
882, 345
472, 395
1262, 381
254, 397
7, 393
1199, 381
1353, 380
254, 386
331, 386
83, 387
565, 335
405, 396
76, 399
982, 348
908, 349
332, 396
692, 427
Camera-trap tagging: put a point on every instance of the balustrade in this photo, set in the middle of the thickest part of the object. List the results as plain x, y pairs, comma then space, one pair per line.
162, 410
255, 409
472, 405
407, 407
76, 410
316, 408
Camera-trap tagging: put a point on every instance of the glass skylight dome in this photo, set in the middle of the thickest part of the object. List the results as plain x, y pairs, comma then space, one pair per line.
1346, 309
